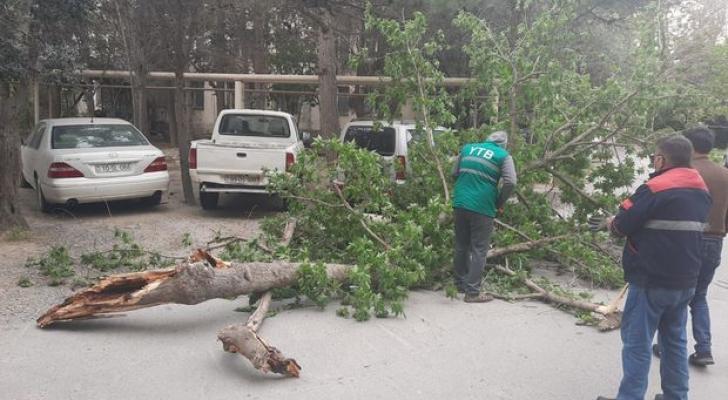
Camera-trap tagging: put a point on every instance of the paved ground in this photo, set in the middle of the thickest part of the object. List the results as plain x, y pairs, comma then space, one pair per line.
443, 349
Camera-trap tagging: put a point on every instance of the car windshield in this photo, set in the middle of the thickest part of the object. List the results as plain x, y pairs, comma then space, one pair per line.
254, 125
381, 141
92, 136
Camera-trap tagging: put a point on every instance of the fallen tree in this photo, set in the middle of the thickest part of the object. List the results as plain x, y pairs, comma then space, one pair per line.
200, 278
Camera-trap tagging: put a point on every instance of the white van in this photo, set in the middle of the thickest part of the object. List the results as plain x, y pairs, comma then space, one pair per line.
390, 140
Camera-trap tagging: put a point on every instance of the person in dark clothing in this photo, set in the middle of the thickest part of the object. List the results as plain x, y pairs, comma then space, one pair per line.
663, 224
716, 178
476, 200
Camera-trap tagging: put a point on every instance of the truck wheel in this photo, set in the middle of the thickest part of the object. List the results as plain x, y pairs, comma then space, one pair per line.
208, 201
278, 203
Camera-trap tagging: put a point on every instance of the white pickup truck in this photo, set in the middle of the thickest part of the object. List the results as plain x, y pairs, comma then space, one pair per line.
244, 145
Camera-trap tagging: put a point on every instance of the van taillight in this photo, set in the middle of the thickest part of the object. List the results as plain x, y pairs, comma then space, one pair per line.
290, 160
63, 170
159, 164
192, 159
401, 168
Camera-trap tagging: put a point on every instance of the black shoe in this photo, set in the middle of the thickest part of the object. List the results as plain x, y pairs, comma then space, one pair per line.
477, 298
656, 350
605, 398
658, 396
701, 359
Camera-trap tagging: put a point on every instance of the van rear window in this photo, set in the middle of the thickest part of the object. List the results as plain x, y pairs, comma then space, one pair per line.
382, 141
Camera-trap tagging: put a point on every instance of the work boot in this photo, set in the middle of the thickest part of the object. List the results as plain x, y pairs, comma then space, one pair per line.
658, 397
701, 359
605, 398
478, 298
656, 350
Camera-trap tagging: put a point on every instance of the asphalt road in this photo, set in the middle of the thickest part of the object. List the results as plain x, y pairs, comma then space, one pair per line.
442, 349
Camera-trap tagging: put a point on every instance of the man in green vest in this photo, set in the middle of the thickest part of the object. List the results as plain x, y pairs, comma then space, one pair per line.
476, 201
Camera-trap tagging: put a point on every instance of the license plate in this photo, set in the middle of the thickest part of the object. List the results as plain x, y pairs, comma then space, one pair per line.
243, 179
112, 168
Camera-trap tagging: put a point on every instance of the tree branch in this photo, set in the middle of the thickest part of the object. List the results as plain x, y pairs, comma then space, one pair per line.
361, 220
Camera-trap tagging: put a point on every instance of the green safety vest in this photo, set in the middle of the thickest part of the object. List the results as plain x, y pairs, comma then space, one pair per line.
476, 188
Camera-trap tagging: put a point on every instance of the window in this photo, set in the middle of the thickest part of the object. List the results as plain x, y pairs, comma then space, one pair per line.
198, 95
94, 136
36, 137
254, 125
421, 135
365, 137
342, 101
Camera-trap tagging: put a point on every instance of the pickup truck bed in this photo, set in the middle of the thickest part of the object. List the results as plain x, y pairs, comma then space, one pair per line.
230, 162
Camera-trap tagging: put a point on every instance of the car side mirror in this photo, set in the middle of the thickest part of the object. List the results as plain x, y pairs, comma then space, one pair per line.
307, 139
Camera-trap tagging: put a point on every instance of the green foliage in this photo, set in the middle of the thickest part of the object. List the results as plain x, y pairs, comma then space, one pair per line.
124, 254
25, 282
314, 283
56, 265
186, 239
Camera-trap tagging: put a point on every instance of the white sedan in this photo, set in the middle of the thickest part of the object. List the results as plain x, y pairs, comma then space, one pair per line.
84, 160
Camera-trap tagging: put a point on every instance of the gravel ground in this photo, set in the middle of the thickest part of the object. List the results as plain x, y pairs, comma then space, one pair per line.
92, 226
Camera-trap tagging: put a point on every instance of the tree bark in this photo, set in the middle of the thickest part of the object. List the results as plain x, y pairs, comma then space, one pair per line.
129, 19
244, 339
260, 53
11, 108
328, 92
218, 42
181, 113
189, 283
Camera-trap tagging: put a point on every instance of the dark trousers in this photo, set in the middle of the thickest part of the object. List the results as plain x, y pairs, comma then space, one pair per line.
472, 239
712, 247
648, 310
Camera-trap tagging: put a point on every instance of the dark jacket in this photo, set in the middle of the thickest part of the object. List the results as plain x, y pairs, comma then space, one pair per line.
663, 222
716, 178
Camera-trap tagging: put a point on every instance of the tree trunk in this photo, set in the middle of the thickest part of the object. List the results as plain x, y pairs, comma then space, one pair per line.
220, 52
139, 99
188, 283
11, 126
260, 54
181, 113
172, 119
328, 92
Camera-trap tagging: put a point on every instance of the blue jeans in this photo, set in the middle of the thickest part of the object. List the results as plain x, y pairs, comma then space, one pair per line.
712, 247
646, 311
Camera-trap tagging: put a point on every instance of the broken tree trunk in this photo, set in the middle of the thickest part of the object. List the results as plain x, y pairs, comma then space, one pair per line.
188, 283
244, 339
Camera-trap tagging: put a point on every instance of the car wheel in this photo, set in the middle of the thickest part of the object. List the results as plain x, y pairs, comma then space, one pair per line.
43, 205
24, 183
208, 201
153, 200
